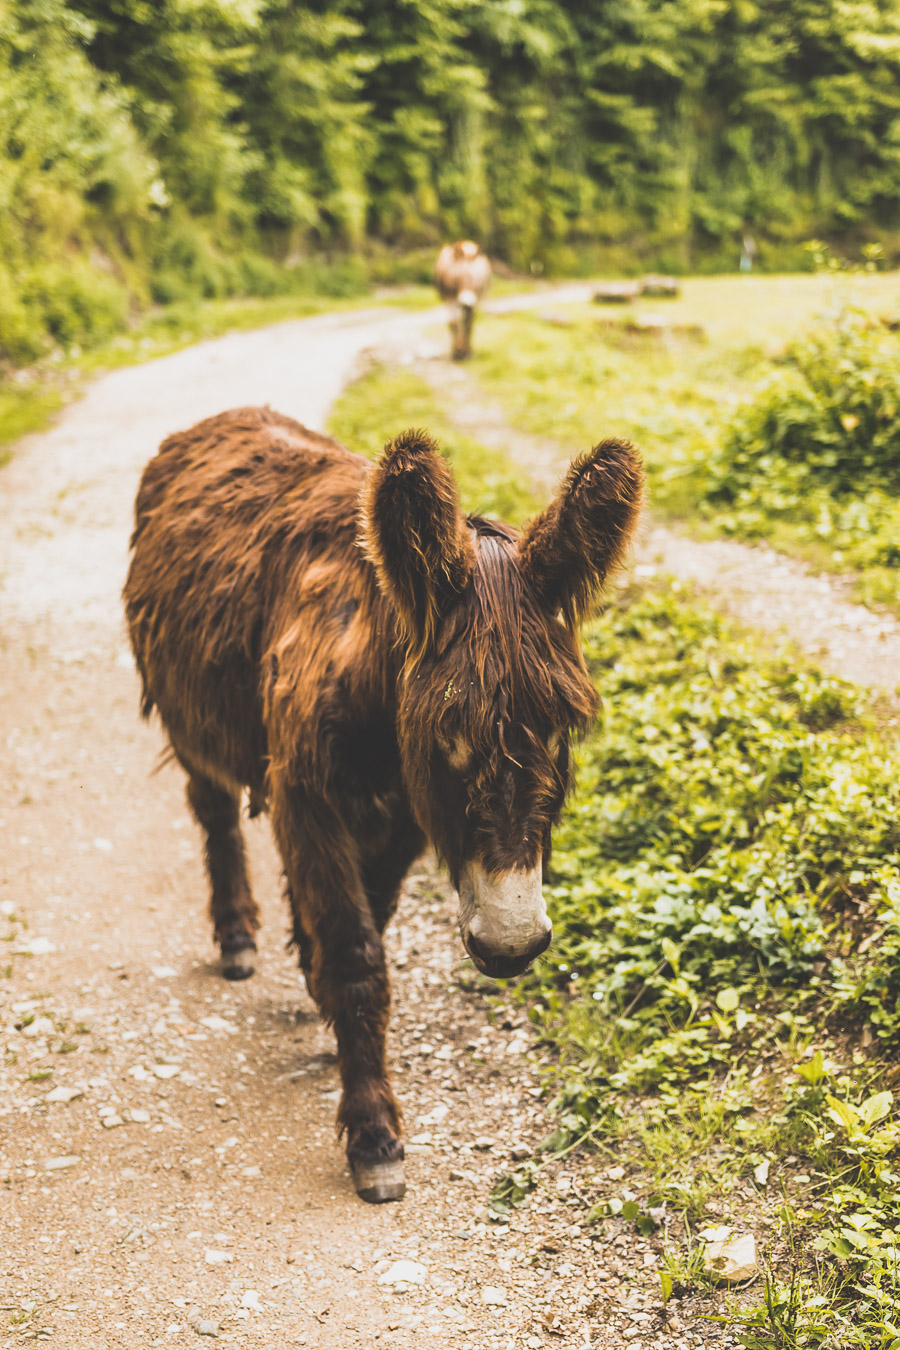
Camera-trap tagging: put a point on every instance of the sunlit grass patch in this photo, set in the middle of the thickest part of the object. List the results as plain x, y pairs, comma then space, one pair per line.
699, 406
25, 408
388, 400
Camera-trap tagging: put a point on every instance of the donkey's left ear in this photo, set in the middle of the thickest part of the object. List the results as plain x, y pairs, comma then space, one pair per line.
415, 534
568, 550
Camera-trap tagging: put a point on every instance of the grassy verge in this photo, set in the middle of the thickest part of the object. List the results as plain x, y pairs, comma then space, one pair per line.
721, 1008
724, 998
672, 375
386, 401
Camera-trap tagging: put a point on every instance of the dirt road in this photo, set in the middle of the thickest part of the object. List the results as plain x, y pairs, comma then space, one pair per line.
167, 1154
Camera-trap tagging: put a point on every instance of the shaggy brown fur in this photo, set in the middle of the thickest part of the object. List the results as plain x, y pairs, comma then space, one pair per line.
376, 669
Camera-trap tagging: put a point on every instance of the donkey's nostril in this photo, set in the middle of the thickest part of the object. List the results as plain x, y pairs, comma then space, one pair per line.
475, 949
542, 943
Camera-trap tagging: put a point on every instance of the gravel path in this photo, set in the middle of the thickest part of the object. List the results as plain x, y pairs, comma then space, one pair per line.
166, 1139
756, 585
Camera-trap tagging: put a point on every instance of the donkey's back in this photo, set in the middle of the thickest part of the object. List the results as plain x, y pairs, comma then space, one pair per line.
230, 516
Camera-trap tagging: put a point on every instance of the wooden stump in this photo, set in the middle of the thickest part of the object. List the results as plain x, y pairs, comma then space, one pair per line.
617, 292
660, 288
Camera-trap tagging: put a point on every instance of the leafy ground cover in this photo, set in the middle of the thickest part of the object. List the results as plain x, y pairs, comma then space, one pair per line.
741, 394
721, 1008
725, 991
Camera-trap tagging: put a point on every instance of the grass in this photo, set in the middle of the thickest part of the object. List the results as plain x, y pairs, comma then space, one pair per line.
721, 1007
27, 407
582, 372
386, 401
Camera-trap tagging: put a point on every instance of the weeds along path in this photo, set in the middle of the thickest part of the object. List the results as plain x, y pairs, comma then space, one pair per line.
757, 586
167, 1152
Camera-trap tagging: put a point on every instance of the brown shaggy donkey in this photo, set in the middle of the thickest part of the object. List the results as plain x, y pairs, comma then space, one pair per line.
379, 672
462, 275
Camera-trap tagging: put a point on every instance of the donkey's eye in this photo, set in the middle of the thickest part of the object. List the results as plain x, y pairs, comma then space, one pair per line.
459, 755
456, 751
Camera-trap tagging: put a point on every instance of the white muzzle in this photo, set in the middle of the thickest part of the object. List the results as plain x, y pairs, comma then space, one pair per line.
503, 919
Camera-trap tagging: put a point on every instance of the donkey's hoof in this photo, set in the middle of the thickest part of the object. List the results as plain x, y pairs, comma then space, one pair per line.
378, 1182
238, 965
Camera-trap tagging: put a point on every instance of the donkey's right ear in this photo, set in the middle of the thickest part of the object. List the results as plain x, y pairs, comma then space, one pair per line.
415, 534
568, 550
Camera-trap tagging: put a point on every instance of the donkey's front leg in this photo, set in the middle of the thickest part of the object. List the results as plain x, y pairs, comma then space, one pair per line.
353, 992
349, 981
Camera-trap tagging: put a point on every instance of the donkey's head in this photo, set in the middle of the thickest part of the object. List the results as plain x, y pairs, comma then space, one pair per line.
494, 683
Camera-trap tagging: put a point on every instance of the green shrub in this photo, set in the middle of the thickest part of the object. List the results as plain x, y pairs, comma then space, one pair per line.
724, 814
341, 280
814, 457
76, 304
834, 409
21, 331
260, 276
187, 267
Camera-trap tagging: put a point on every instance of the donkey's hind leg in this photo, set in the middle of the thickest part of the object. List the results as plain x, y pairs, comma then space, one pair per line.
302, 940
232, 907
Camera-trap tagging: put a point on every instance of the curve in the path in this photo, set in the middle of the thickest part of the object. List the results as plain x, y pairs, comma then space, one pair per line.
758, 586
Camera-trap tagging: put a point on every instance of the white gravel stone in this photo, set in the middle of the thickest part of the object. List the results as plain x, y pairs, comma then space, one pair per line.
41, 1026
729, 1256
403, 1272
64, 1094
493, 1296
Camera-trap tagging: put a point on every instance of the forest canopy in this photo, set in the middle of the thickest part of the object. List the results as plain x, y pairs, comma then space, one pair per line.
157, 149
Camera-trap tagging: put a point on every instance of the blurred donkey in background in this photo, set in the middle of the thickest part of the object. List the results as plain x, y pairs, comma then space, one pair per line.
462, 276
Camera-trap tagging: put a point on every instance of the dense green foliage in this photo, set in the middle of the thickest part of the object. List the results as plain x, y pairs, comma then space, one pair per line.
187, 147
818, 447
